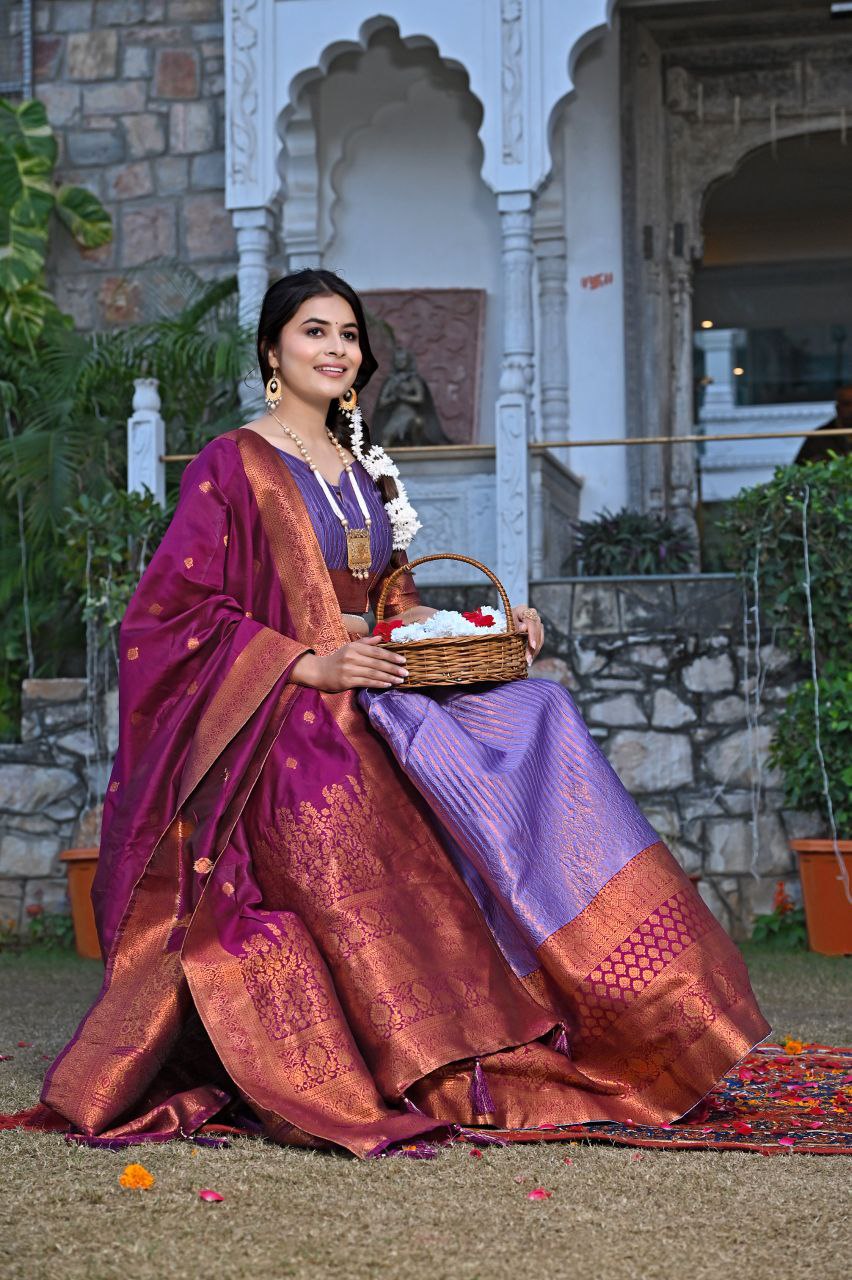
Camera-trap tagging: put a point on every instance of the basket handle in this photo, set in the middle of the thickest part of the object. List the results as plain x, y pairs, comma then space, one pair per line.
446, 555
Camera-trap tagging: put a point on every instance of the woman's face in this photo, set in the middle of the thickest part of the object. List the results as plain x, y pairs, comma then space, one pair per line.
318, 350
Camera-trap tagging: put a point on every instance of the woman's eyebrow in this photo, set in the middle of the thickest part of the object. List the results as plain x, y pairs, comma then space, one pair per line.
350, 324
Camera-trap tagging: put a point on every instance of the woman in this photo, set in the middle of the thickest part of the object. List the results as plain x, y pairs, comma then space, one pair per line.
347, 913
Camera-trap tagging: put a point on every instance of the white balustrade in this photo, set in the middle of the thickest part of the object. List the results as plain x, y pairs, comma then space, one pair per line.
146, 441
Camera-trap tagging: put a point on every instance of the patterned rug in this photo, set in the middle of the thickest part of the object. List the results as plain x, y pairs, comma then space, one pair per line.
791, 1099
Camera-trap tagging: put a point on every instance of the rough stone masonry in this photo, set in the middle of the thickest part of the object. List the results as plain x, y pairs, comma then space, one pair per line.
134, 90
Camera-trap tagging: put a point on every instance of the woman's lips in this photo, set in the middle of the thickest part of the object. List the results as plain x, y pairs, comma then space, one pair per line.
329, 371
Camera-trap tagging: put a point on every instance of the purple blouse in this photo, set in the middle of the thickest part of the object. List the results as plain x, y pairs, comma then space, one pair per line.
328, 528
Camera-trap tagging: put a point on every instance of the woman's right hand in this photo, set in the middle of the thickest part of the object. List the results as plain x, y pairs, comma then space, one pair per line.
358, 665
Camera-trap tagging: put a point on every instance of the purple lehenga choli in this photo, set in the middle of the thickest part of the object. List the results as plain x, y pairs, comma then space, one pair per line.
366, 916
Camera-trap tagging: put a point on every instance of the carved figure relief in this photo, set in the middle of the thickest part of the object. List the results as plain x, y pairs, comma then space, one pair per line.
443, 329
405, 411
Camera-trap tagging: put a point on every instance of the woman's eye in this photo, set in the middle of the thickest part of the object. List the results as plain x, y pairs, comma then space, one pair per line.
352, 336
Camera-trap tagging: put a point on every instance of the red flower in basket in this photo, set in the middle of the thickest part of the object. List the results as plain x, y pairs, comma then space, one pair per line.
478, 618
384, 629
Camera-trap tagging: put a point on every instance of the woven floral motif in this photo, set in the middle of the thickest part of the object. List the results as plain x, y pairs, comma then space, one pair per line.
409, 1002
310, 1066
329, 848
282, 980
355, 928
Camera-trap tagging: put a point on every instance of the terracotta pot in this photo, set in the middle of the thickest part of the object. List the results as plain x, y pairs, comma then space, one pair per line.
81, 872
828, 912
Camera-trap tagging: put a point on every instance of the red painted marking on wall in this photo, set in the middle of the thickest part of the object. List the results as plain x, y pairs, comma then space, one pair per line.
597, 281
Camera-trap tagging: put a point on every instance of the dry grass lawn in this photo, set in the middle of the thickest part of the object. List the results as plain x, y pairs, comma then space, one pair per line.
612, 1216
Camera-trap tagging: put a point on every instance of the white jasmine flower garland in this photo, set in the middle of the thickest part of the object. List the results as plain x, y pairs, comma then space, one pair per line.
448, 622
376, 463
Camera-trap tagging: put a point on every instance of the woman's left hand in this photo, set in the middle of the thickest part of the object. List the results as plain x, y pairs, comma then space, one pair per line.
528, 621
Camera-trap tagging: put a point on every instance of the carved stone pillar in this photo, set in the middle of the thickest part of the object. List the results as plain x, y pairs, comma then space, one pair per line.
720, 392
553, 336
254, 246
146, 441
513, 403
682, 457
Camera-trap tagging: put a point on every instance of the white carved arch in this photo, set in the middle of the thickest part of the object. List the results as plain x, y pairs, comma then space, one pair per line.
515, 69
337, 48
304, 239
383, 111
298, 167
731, 160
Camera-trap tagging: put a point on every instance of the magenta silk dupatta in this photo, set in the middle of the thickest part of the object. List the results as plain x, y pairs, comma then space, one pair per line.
292, 917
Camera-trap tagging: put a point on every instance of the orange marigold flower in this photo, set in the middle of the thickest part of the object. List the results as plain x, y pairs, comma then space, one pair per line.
793, 1046
137, 1176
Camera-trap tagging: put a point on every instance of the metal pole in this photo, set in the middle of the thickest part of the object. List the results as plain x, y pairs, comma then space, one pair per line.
539, 446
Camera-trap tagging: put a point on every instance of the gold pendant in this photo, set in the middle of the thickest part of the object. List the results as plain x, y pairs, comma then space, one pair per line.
358, 552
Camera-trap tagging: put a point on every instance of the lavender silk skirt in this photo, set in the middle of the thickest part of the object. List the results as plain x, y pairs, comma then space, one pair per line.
529, 809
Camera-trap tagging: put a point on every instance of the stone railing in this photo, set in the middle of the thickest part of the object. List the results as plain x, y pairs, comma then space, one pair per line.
658, 668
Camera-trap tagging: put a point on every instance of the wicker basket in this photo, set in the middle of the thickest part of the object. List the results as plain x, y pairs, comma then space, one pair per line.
460, 659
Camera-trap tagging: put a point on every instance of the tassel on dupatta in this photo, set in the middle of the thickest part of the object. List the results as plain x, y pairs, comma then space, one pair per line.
560, 1040
480, 1094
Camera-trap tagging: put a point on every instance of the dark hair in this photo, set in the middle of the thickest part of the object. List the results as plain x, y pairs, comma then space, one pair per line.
280, 303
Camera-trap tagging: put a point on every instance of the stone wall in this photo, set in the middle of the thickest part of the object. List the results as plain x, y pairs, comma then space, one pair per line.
135, 92
658, 668
44, 793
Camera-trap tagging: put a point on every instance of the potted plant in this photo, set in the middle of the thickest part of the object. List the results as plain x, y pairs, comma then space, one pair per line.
792, 539
628, 542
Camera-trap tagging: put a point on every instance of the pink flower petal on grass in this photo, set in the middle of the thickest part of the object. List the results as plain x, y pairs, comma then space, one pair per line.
539, 1193
25, 1044
567, 1160
207, 1194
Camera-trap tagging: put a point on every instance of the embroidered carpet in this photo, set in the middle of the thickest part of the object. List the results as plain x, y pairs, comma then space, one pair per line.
791, 1099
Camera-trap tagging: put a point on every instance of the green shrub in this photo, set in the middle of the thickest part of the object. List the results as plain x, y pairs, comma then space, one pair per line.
632, 542
766, 528
109, 541
794, 752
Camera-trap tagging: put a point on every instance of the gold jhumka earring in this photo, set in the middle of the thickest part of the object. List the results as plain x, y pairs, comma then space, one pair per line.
348, 401
273, 390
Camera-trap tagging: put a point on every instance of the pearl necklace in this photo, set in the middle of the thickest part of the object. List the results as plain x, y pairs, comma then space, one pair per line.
358, 553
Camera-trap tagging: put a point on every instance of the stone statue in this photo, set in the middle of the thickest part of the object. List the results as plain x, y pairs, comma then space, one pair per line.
405, 411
